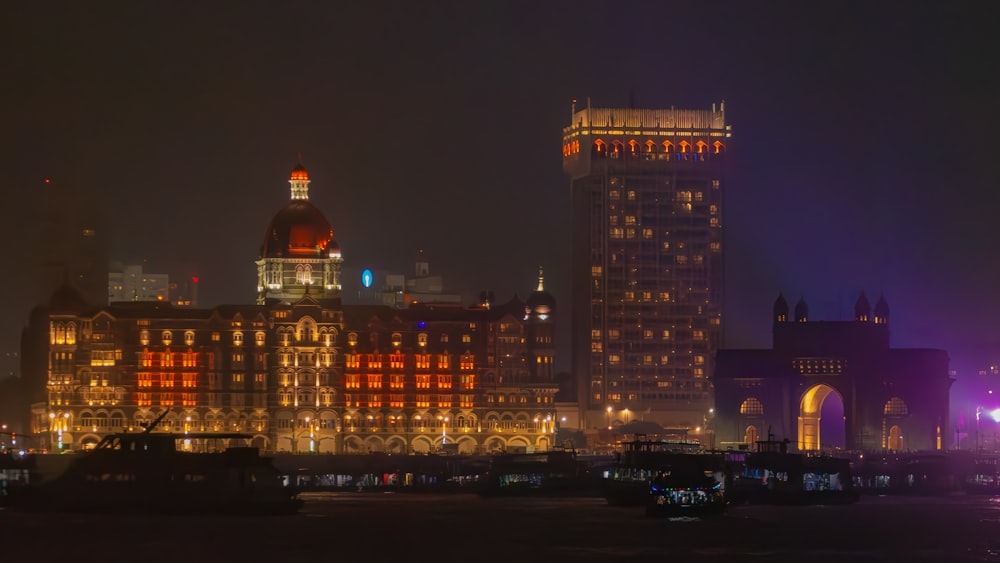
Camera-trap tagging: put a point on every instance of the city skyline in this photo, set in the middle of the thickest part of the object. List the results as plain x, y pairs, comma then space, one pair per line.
860, 155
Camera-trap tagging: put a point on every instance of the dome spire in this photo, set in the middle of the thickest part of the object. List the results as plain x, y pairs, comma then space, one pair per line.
541, 280
299, 181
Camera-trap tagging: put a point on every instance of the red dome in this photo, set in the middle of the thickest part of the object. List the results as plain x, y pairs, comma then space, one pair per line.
300, 229
299, 173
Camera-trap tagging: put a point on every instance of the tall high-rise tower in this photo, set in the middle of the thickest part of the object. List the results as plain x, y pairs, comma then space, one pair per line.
646, 189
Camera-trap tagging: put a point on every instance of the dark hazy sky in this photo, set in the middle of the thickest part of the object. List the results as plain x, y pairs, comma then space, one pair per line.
863, 155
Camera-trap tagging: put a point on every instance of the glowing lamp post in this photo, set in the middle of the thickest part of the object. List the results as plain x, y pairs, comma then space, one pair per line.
444, 429
52, 425
609, 417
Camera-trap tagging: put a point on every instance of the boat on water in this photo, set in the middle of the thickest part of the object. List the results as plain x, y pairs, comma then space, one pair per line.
983, 475
773, 475
668, 477
556, 472
147, 472
685, 490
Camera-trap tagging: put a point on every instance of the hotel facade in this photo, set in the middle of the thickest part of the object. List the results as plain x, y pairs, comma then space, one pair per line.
646, 191
298, 371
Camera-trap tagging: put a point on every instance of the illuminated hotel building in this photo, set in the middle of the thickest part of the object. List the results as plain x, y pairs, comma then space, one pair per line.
646, 193
298, 371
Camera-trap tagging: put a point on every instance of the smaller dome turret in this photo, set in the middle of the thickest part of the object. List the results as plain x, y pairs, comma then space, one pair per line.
780, 309
299, 173
862, 309
881, 311
801, 311
540, 304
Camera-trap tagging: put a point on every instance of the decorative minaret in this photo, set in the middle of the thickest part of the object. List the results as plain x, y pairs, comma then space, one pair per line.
862, 309
801, 311
780, 309
881, 311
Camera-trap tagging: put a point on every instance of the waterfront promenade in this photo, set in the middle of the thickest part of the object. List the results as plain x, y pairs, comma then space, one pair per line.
464, 527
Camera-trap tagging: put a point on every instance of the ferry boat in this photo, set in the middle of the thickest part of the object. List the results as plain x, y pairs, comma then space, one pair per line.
672, 474
553, 473
773, 475
685, 490
983, 475
146, 472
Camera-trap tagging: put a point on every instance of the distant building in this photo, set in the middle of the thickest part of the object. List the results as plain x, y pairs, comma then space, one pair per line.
894, 399
134, 284
401, 291
646, 188
299, 371
184, 293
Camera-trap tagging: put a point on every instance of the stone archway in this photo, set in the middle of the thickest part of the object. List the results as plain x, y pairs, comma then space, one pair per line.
810, 415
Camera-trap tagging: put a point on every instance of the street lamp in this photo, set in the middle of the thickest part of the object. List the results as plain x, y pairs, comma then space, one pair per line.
52, 424
444, 429
309, 427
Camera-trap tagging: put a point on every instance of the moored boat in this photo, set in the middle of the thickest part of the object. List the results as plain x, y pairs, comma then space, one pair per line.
553, 473
146, 472
773, 475
679, 464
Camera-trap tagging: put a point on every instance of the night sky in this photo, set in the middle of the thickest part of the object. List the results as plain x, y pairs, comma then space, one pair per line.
863, 154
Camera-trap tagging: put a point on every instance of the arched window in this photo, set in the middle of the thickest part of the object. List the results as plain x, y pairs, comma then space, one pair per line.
895, 439
600, 149
167, 337
189, 337
303, 274
751, 435
668, 147
719, 147
895, 407
752, 406
617, 149
307, 330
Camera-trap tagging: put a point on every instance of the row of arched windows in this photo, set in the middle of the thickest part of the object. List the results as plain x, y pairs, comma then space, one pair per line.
649, 150
893, 407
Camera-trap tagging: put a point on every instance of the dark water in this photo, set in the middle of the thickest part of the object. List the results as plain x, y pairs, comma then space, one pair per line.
460, 527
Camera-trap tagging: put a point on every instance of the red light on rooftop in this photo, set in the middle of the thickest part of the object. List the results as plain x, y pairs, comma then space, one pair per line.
194, 279
48, 180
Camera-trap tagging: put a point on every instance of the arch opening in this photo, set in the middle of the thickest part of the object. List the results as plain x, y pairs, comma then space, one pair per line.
821, 421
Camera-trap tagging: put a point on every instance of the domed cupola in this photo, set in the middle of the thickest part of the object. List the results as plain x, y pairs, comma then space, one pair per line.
801, 311
299, 249
780, 309
540, 304
300, 228
881, 311
862, 309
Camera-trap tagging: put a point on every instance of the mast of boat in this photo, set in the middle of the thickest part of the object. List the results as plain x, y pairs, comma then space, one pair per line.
155, 422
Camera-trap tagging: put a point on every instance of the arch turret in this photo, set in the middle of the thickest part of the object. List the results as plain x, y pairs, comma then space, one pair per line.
881, 311
862, 309
801, 311
780, 309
